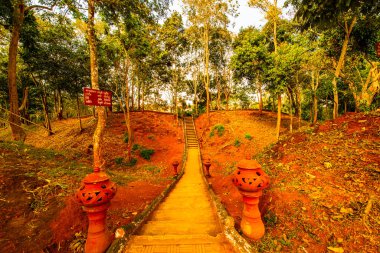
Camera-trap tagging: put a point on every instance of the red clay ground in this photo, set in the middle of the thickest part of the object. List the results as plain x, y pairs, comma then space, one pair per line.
324, 193
38, 180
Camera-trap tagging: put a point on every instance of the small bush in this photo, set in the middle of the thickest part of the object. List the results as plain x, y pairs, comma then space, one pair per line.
248, 136
237, 143
146, 153
119, 160
132, 162
219, 129
136, 147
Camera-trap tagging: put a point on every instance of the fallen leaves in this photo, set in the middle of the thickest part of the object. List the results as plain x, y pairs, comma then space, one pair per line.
338, 250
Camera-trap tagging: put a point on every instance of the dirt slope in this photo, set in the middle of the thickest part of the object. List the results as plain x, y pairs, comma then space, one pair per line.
38, 180
324, 193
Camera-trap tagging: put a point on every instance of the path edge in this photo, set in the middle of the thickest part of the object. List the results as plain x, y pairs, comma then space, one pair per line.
119, 244
238, 242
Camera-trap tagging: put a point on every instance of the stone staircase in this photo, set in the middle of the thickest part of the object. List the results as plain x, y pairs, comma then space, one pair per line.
191, 136
186, 220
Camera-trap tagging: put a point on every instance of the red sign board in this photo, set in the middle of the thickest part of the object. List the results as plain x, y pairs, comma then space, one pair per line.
378, 49
97, 97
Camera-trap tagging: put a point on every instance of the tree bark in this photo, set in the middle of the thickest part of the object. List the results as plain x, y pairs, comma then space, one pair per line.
99, 131
138, 94
78, 114
260, 96
18, 133
315, 108
127, 117
278, 125
340, 65
291, 115
207, 76
46, 112
59, 109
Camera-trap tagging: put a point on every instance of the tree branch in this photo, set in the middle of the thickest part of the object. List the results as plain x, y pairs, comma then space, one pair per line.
40, 7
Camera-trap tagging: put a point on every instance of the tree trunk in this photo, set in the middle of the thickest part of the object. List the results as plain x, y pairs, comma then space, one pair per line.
260, 96
133, 92
99, 131
291, 115
142, 98
227, 101
315, 107
127, 117
24, 106
78, 114
278, 125
340, 65
18, 133
207, 76
345, 106
195, 83
217, 79
138, 94
46, 112
59, 108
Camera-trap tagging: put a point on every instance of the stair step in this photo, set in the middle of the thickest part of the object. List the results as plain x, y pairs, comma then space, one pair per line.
203, 215
189, 243
184, 205
179, 228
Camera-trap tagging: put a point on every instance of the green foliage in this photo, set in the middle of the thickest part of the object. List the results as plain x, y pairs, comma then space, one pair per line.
132, 162
146, 153
270, 219
152, 168
326, 13
251, 54
237, 143
119, 160
218, 128
136, 147
248, 136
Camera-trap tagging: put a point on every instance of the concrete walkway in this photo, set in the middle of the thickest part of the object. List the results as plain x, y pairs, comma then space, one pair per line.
186, 221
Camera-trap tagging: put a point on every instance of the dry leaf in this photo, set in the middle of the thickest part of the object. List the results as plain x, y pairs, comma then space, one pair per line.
346, 210
310, 175
338, 250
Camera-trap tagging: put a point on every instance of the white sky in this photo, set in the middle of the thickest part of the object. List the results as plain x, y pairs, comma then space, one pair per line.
247, 16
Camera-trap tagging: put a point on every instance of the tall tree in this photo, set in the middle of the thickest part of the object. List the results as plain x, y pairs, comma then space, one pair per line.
206, 14
13, 14
250, 58
172, 35
328, 13
272, 13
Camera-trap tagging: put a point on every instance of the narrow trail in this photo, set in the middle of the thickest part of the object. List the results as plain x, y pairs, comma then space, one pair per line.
186, 220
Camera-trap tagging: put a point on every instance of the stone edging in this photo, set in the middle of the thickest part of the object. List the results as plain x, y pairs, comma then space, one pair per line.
239, 243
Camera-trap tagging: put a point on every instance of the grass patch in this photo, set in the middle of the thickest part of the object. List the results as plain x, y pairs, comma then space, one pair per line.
219, 129
146, 153
119, 160
152, 168
270, 219
248, 136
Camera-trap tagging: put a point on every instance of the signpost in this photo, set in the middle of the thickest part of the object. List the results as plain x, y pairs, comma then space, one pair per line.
97, 97
378, 49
